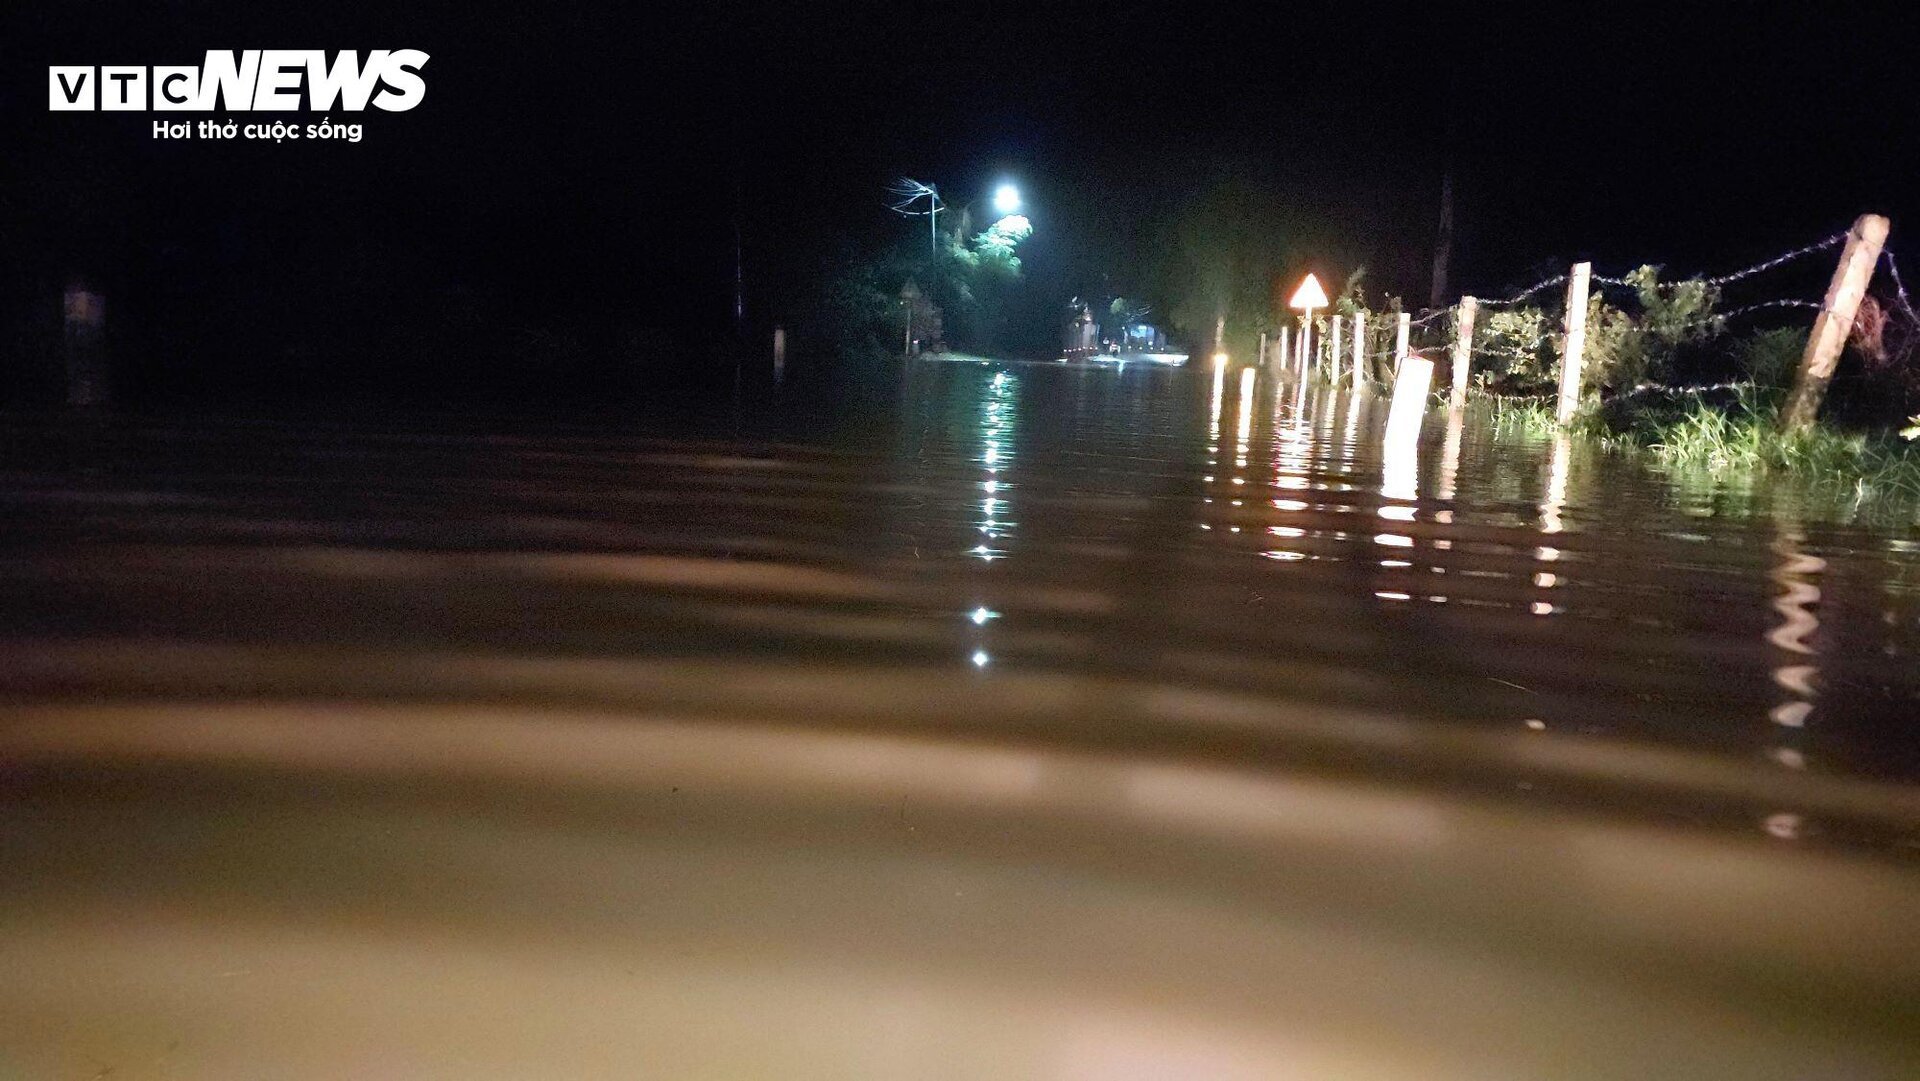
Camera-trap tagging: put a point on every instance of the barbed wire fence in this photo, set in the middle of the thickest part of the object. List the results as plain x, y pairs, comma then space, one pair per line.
1437, 328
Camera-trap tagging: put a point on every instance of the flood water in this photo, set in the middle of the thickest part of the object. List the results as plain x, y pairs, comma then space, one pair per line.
1031, 721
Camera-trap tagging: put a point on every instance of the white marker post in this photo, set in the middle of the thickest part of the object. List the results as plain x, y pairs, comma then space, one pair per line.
1333, 350
1400, 445
1410, 389
1359, 345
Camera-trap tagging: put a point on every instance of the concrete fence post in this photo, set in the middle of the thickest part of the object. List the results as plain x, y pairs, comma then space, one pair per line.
1573, 354
1462, 348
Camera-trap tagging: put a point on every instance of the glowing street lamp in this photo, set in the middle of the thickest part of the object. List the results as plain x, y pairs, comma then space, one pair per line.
1006, 200
1306, 298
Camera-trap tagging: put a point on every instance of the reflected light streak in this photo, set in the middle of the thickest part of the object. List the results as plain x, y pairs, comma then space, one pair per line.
1554, 499
1245, 426
1213, 412
1794, 575
1400, 466
1450, 451
1556, 496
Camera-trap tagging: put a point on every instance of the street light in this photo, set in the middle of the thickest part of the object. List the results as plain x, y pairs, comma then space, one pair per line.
1006, 200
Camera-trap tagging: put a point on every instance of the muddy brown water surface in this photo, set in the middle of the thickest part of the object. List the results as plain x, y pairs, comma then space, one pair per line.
1037, 721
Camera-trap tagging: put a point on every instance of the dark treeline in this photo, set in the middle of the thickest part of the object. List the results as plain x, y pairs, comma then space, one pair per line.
558, 218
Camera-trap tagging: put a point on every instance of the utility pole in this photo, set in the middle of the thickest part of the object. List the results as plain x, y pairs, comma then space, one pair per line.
1443, 243
909, 191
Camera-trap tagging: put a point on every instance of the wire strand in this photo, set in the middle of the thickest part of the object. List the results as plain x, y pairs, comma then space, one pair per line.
1899, 287
1524, 293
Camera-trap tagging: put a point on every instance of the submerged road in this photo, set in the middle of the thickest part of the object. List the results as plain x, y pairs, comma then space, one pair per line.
1045, 722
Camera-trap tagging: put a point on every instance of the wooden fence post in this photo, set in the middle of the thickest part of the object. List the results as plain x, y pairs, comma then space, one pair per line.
1400, 339
1835, 321
1462, 348
1333, 349
1282, 359
1359, 345
1573, 355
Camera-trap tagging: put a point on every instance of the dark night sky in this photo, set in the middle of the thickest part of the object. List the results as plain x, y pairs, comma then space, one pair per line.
590, 157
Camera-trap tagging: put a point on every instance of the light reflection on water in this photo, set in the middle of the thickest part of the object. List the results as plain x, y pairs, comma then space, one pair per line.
1665, 641
1208, 519
1149, 693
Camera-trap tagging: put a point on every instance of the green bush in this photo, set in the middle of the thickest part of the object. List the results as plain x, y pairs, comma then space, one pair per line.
1624, 350
1769, 358
1517, 351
